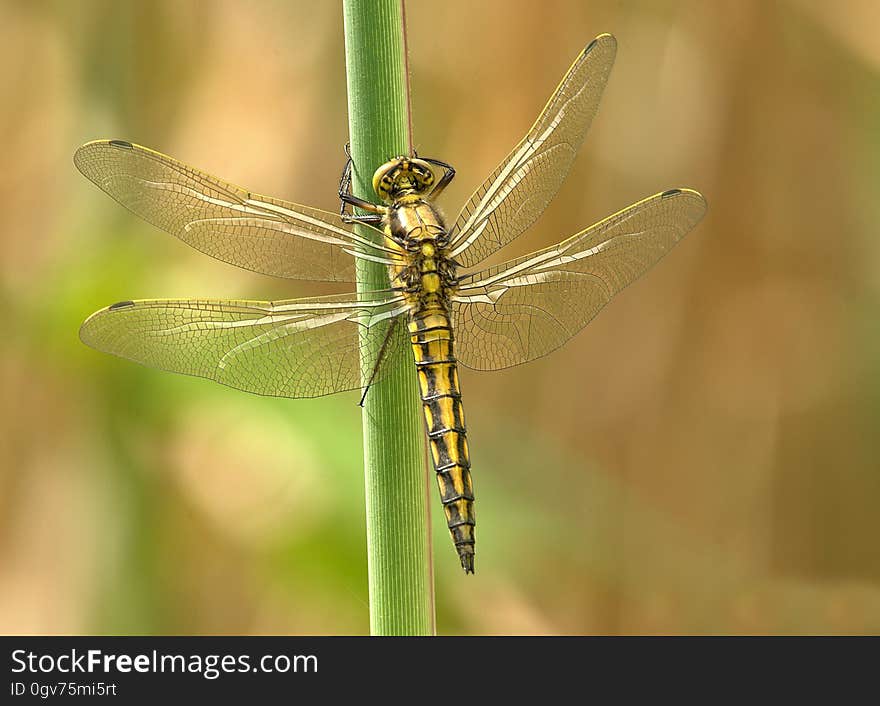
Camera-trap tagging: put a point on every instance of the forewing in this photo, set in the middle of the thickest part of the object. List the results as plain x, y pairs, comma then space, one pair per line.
526, 308
296, 348
518, 191
255, 232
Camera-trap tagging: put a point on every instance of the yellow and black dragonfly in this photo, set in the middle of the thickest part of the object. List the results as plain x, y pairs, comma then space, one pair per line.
437, 303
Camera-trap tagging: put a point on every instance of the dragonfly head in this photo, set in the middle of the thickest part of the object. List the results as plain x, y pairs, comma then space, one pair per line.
402, 176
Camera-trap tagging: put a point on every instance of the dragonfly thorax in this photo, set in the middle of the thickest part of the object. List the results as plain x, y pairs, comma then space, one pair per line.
418, 231
412, 221
402, 177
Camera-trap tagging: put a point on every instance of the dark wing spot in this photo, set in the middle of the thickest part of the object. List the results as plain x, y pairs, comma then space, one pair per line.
671, 192
120, 143
590, 46
121, 305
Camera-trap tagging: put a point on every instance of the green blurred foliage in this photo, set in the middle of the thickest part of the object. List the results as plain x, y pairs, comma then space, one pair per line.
702, 459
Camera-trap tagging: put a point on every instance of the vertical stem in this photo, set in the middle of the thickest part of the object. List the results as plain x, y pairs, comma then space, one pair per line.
398, 549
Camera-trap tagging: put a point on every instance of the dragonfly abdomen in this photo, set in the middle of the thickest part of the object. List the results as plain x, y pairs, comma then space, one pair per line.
432, 344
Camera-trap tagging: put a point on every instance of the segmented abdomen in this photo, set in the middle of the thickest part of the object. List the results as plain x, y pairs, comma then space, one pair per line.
432, 343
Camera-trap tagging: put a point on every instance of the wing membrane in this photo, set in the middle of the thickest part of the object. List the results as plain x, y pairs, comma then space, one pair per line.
295, 348
255, 232
518, 191
528, 307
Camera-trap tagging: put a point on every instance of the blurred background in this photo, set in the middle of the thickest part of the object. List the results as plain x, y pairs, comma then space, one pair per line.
708, 448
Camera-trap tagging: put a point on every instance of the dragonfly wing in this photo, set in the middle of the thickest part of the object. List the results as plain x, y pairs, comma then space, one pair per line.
258, 233
295, 348
528, 307
518, 191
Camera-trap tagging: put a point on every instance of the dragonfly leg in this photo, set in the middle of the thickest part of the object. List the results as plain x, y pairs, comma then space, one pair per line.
445, 180
379, 358
347, 198
345, 179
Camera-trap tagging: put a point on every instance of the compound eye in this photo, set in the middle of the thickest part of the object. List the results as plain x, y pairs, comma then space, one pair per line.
382, 184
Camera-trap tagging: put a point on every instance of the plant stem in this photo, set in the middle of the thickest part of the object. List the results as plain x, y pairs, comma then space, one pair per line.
398, 544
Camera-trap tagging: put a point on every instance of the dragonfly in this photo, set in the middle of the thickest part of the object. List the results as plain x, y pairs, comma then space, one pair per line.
439, 303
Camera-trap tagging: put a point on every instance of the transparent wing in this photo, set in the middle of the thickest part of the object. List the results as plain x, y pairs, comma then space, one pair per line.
518, 191
528, 307
295, 348
255, 232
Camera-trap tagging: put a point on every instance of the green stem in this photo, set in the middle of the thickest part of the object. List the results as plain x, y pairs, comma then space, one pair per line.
398, 544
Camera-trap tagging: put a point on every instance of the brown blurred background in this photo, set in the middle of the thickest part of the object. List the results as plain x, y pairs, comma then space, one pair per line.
708, 447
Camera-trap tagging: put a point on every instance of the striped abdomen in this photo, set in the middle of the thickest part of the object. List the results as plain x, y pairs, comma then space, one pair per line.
431, 337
